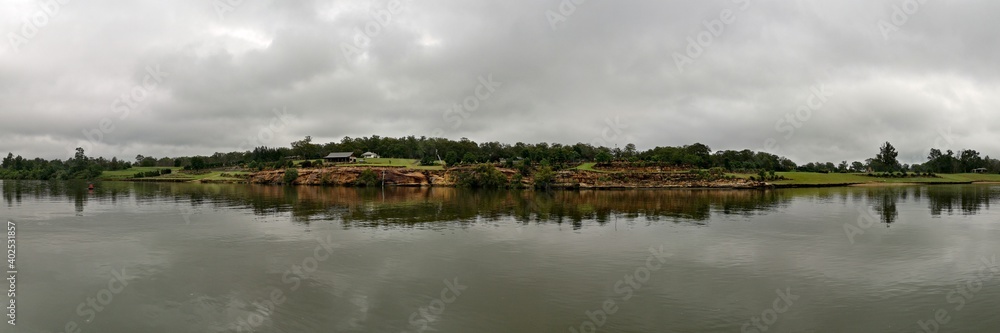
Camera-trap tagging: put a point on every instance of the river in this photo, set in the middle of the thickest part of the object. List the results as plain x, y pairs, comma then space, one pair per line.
166, 257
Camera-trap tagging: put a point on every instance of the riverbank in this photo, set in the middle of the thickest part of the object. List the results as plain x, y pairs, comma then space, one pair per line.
584, 177
809, 179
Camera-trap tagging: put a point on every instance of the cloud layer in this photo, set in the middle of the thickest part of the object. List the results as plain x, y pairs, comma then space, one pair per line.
824, 81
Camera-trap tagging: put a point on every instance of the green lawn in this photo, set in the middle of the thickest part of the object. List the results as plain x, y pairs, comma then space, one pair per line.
128, 173
176, 174
974, 177
397, 162
810, 178
588, 166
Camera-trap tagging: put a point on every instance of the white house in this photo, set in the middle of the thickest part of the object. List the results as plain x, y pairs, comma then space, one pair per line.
369, 155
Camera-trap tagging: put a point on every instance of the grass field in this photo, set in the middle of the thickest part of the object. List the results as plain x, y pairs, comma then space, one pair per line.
128, 173
397, 162
588, 166
812, 178
176, 174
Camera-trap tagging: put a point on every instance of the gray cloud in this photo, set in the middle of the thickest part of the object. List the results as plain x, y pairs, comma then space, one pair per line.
935, 74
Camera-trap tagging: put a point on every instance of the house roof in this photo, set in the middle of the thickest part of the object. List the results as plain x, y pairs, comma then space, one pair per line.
339, 155
369, 153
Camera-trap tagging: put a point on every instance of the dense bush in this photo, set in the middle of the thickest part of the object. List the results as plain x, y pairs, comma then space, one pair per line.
290, 176
481, 176
544, 177
153, 173
368, 177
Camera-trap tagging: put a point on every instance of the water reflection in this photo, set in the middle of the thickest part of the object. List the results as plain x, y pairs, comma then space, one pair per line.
409, 206
967, 200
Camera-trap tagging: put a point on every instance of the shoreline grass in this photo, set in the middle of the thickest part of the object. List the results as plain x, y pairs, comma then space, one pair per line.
819, 179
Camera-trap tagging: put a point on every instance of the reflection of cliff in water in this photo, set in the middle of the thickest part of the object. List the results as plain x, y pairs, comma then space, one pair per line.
407, 205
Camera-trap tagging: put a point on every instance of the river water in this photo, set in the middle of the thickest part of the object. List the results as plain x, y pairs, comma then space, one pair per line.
158, 257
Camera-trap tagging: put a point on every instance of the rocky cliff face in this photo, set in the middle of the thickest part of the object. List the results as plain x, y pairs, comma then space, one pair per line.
347, 176
585, 179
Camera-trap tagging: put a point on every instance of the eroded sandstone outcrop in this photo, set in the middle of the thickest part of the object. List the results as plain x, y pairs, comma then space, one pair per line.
348, 176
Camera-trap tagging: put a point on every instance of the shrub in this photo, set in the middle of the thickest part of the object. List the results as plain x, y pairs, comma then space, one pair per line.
368, 177
515, 181
482, 176
290, 176
306, 164
544, 177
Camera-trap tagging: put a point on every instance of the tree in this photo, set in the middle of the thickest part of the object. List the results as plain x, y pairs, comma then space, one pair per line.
842, 167
451, 158
305, 148
969, 160
630, 151
886, 158
197, 163
8, 161
426, 159
469, 158
857, 166
603, 157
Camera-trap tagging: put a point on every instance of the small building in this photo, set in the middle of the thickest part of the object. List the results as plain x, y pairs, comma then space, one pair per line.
339, 157
369, 155
979, 170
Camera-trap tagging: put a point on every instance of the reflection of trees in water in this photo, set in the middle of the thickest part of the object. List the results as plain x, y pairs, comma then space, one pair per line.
404, 205
76, 190
883, 200
967, 199
418, 205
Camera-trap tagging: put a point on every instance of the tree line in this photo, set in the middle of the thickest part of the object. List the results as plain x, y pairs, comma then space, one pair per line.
464, 151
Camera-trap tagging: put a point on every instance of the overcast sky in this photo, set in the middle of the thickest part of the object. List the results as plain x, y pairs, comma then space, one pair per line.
204, 76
